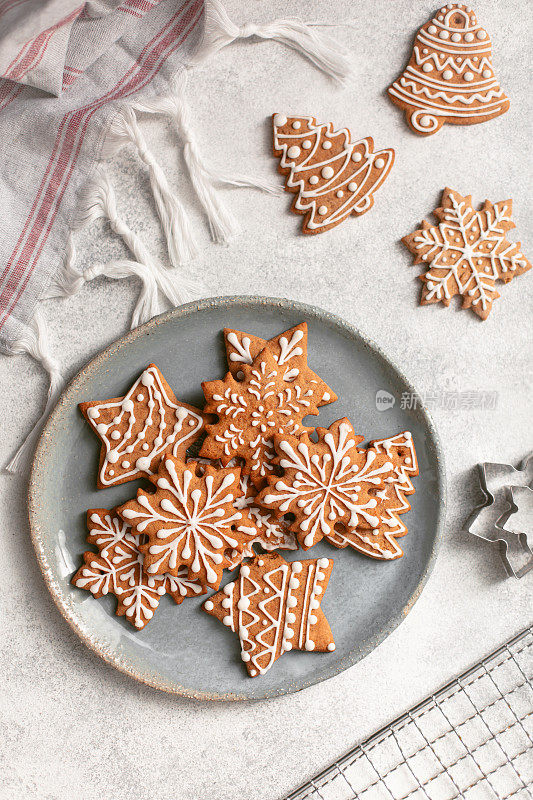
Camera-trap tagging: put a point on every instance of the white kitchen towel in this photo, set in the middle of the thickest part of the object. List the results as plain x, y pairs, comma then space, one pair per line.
73, 79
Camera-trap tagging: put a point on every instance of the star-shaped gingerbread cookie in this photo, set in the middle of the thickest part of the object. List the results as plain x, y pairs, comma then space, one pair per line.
137, 430
251, 411
289, 350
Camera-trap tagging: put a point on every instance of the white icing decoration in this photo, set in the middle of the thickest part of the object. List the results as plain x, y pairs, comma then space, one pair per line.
280, 120
323, 210
379, 163
128, 415
327, 483
447, 74
337, 172
200, 522
297, 125
427, 67
294, 151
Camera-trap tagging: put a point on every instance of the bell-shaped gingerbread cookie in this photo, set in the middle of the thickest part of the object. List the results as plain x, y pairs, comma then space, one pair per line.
449, 77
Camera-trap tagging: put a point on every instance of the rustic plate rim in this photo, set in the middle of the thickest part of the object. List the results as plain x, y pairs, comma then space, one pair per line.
67, 609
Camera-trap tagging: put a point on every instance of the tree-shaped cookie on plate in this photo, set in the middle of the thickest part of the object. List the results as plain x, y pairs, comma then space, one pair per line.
274, 607
379, 540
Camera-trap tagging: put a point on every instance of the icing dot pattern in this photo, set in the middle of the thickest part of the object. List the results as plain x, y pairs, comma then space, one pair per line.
150, 421
330, 164
275, 608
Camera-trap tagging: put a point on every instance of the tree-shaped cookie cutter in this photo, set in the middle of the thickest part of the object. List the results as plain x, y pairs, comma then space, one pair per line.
506, 516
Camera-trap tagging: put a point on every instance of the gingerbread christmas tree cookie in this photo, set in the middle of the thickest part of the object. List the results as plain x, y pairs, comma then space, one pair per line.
137, 430
117, 569
450, 76
189, 521
328, 483
467, 252
274, 607
251, 411
289, 349
331, 176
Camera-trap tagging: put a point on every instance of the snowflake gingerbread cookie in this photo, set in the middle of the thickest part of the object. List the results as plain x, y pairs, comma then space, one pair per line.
137, 430
332, 486
331, 176
379, 540
289, 349
189, 521
450, 76
251, 411
467, 252
264, 529
117, 569
274, 607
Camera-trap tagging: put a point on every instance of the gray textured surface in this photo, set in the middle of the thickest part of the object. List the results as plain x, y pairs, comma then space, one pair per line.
76, 727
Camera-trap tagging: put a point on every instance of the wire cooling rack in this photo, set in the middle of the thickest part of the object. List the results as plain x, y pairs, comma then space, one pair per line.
472, 739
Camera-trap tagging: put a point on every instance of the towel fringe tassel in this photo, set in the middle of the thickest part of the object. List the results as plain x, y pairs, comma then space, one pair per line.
204, 178
322, 51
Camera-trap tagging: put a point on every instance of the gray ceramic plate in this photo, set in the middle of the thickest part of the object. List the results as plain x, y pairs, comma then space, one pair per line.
182, 649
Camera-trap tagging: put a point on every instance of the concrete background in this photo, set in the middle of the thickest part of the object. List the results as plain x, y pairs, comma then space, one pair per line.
74, 727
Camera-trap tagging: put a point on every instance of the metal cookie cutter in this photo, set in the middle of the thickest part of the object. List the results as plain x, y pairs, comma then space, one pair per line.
506, 516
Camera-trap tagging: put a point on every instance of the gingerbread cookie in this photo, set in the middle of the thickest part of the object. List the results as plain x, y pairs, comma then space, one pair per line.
289, 349
328, 484
260, 526
137, 430
467, 253
270, 533
274, 606
118, 569
332, 176
251, 411
450, 77
379, 541
190, 520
